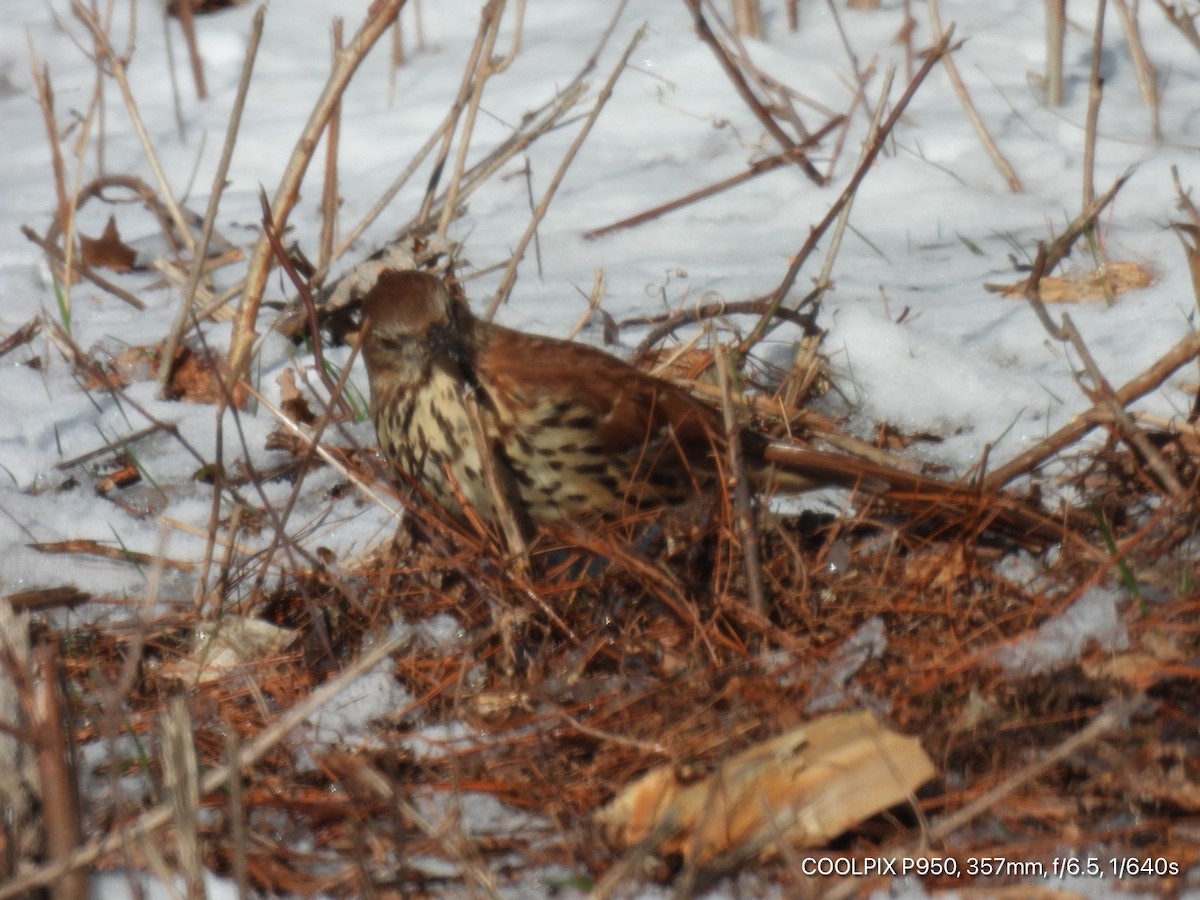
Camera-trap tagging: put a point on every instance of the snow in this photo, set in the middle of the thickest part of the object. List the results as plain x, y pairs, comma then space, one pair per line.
1096, 616
970, 366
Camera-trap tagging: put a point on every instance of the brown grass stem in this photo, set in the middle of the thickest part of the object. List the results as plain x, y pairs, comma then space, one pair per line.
1095, 95
118, 67
874, 146
376, 22
744, 90
196, 271
1147, 75
329, 189
762, 167
214, 780
972, 111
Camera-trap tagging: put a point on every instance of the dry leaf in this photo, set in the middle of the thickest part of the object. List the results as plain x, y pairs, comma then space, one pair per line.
219, 648
195, 378
1109, 281
292, 402
806, 786
107, 251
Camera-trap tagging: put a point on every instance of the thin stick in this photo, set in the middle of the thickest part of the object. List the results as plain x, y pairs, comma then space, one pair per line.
470, 71
1183, 20
492, 14
1174, 359
215, 780
187, 303
176, 100
691, 314
981, 129
932, 57
825, 278
502, 500
743, 510
119, 67
376, 22
187, 22
1112, 716
859, 80
510, 274
1147, 75
310, 308
488, 66
744, 90
45, 94
1101, 392
329, 191
1095, 93
484, 169
1056, 32
74, 265
762, 167
479, 173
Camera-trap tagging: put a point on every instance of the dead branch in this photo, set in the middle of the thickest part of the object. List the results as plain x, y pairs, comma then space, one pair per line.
746, 92
377, 21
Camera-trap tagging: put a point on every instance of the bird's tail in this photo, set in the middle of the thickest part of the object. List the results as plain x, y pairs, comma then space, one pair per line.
801, 468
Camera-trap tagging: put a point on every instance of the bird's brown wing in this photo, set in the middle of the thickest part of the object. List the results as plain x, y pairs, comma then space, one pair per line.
657, 428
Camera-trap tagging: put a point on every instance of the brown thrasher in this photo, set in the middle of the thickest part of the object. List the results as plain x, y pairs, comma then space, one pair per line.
573, 432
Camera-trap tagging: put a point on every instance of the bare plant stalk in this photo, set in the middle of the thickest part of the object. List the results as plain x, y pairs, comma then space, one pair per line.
546, 118
378, 19
187, 22
214, 780
1101, 392
747, 18
770, 164
1114, 715
182, 781
1147, 75
187, 302
906, 34
484, 169
981, 129
329, 192
1095, 94
747, 93
510, 275
859, 79
45, 95
487, 68
70, 264
176, 100
1174, 359
843, 219
498, 490
743, 508
118, 65
479, 173
1182, 20
1056, 33
471, 71
777, 297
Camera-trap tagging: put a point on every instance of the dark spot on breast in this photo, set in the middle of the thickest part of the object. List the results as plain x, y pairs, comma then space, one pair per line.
598, 468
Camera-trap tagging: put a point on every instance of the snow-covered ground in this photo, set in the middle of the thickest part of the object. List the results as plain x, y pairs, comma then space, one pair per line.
931, 224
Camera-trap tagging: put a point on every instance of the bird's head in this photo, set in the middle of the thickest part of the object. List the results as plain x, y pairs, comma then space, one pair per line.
414, 319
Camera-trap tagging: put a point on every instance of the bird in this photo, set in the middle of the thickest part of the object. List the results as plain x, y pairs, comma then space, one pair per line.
573, 433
